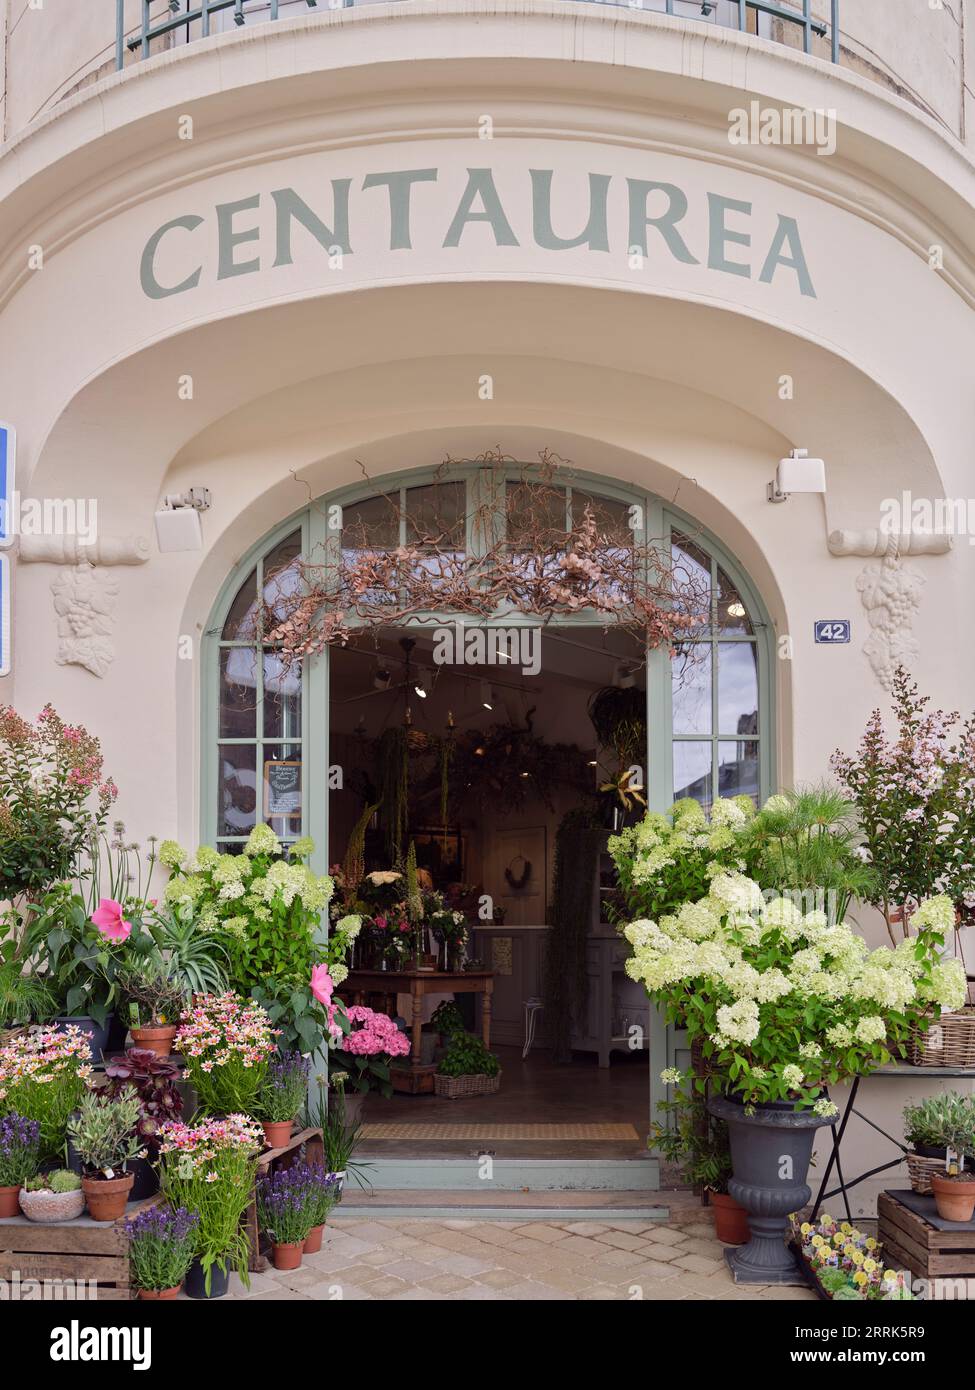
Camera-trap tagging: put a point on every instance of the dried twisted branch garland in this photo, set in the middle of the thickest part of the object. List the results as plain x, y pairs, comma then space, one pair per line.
527, 558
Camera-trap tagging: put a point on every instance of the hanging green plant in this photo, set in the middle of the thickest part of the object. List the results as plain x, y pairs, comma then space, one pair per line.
619, 717
393, 771
354, 867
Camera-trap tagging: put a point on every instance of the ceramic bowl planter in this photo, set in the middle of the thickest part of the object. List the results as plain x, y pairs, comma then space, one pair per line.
158, 1040
48, 1208
106, 1197
770, 1153
9, 1205
277, 1132
954, 1197
730, 1219
287, 1256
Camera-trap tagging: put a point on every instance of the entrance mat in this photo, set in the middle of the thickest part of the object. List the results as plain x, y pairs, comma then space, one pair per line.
620, 1133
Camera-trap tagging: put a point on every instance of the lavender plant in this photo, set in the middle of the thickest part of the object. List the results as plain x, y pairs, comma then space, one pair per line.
20, 1150
283, 1205
285, 1088
162, 1245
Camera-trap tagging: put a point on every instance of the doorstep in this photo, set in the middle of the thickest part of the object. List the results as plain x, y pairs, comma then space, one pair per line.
441, 1175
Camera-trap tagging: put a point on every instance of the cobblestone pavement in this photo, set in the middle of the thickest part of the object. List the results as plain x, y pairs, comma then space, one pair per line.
415, 1258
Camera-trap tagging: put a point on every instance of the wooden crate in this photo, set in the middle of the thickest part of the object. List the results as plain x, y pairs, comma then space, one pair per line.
912, 1243
272, 1159
79, 1250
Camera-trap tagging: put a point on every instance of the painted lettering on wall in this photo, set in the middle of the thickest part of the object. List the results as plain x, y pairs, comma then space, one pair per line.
251, 234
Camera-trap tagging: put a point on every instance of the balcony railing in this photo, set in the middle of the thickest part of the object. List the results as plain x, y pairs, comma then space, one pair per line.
197, 19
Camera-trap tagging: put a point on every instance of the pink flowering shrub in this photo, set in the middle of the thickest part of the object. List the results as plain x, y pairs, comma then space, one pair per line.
367, 1049
54, 797
43, 1076
915, 797
208, 1168
226, 1042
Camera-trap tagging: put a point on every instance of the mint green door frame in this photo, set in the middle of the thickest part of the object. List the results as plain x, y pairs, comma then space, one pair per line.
665, 1043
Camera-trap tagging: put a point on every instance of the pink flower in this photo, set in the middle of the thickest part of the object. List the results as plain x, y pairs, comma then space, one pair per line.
322, 984
381, 922
109, 920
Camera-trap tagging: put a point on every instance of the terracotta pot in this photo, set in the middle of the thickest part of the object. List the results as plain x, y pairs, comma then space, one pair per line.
106, 1197
730, 1220
158, 1040
954, 1197
277, 1132
9, 1206
152, 1295
313, 1240
287, 1256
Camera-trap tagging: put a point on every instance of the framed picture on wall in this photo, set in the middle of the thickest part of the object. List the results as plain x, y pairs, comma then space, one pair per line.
441, 851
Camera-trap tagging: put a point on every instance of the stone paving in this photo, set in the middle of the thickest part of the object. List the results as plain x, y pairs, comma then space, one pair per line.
423, 1258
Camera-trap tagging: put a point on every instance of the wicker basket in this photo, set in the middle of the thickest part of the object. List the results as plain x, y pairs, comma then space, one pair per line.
457, 1087
948, 1042
920, 1169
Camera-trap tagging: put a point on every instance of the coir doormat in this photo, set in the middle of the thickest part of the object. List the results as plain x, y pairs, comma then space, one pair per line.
552, 1133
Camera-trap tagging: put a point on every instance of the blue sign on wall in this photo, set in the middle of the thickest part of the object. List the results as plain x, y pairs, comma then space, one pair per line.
4, 616
832, 630
8, 459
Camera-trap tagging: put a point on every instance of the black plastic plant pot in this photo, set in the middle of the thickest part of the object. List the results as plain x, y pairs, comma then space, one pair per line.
196, 1281
146, 1179
771, 1149
97, 1035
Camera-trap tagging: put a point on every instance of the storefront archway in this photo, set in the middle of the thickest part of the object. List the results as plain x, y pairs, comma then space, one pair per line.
711, 717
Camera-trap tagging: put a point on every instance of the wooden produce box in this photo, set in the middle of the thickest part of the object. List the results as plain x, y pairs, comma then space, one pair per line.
89, 1259
911, 1242
272, 1159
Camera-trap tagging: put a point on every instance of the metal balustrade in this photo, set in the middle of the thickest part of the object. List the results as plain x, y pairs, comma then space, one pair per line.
194, 19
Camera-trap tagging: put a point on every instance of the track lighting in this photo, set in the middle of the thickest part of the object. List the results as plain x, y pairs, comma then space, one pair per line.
487, 695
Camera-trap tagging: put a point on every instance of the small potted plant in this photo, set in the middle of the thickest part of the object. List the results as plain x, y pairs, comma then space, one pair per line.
20, 1157
282, 1095
52, 1197
162, 1244
323, 1192
447, 1020
155, 1000
285, 1212
699, 1143
467, 1068
341, 1133
954, 1189
105, 1138
154, 1080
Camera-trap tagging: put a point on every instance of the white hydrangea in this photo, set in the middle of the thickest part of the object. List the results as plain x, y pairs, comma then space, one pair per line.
725, 812
780, 912
793, 1076
937, 913
870, 1029
735, 893
737, 1022
777, 805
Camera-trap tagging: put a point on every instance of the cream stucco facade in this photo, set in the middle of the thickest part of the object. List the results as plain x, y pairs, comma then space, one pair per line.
251, 261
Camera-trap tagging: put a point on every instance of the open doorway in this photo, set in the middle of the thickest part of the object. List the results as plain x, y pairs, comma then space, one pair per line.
506, 774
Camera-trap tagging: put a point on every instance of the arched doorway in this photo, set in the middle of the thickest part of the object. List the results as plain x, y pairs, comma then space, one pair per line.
295, 745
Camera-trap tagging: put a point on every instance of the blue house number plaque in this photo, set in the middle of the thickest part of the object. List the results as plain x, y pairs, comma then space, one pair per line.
830, 630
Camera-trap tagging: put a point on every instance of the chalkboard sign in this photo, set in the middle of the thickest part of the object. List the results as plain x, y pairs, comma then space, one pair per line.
282, 789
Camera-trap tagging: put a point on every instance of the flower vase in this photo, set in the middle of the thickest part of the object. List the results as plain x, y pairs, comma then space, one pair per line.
771, 1149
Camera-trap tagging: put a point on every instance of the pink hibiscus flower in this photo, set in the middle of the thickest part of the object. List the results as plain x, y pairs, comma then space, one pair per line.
322, 984
109, 920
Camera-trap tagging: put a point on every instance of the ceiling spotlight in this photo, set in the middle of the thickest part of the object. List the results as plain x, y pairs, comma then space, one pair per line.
487, 695
421, 684
382, 676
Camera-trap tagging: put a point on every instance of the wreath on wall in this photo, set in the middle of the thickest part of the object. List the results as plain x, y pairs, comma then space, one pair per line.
518, 882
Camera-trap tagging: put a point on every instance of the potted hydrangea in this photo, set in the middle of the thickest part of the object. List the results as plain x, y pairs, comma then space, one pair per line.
783, 1004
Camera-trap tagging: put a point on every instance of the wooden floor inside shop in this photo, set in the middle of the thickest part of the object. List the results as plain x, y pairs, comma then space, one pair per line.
579, 1110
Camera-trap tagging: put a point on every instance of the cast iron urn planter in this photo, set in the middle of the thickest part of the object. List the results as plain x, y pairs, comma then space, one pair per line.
770, 1153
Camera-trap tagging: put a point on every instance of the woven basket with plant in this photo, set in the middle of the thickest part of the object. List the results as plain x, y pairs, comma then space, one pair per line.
467, 1068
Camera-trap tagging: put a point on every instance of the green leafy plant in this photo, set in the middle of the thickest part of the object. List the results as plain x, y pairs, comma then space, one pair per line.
20, 1150
25, 997
58, 1180
447, 1018
153, 995
928, 1122
302, 1022
694, 1139
466, 1055
161, 1246
103, 1132
196, 959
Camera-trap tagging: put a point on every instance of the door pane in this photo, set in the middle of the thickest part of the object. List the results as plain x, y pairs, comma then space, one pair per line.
282, 696
241, 624
738, 768
691, 689
236, 789
732, 615
692, 772
282, 579
238, 692
737, 688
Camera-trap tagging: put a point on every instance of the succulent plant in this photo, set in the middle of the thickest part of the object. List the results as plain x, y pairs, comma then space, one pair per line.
154, 1080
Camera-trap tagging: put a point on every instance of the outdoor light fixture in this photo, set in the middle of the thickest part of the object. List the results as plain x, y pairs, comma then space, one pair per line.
797, 473
178, 521
736, 610
487, 695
